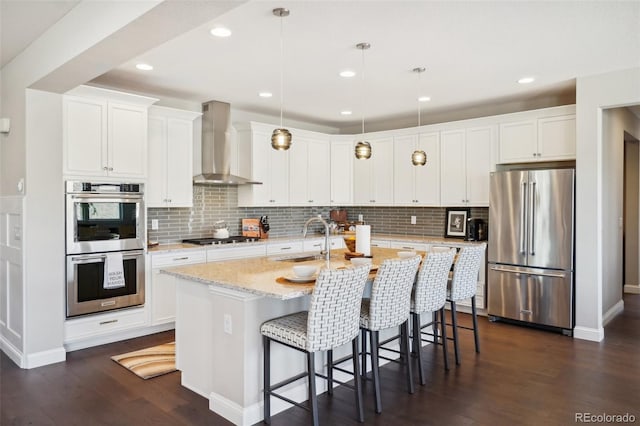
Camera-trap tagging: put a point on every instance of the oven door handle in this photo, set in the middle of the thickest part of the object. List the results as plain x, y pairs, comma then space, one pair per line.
105, 197
93, 258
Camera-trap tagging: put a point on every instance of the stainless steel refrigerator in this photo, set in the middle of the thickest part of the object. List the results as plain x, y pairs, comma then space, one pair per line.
531, 244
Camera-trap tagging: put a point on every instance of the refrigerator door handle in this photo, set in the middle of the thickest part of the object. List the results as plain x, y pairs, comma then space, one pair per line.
517, 271
523, 217
532, 234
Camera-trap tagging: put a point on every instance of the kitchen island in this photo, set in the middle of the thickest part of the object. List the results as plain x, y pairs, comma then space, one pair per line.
220, 307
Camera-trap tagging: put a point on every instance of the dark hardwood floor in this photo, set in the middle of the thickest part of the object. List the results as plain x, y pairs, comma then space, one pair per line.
522, 376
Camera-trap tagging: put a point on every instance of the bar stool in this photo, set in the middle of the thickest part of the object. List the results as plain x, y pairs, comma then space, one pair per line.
430, 295
464, 285
332, 320
388, 307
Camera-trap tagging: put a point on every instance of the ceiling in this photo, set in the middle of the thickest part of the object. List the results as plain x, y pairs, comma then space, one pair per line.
473, 53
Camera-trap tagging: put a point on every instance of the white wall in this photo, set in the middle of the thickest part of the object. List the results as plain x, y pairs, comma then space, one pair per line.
593, 93
615, 122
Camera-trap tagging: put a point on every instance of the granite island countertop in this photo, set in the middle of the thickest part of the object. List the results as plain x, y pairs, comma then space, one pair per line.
260, 275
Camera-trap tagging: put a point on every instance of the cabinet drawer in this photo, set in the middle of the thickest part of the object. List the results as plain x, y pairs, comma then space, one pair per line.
217, 254
281, 248
400, 245
177, 258
96, 325
380, 243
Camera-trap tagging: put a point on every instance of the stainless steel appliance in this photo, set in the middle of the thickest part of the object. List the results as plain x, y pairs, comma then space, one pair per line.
531, 247
476, 230
104, 218
215, 241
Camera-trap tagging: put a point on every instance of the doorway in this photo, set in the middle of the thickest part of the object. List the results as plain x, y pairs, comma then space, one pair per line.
631, 199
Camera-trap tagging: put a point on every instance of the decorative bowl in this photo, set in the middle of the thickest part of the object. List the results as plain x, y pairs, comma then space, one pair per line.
357, 261
406, 254
350, 242
304, 271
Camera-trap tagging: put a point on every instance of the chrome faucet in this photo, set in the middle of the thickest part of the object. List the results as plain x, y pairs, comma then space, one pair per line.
326, 251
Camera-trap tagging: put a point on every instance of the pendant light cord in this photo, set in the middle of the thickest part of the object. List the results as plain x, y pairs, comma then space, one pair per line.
281, 70
363, 91
419, 86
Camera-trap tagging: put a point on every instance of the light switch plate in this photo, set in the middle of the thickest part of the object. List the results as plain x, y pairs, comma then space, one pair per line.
413, 220
154, 224
360, 218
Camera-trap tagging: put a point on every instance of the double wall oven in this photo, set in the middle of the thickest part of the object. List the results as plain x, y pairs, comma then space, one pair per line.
105, 228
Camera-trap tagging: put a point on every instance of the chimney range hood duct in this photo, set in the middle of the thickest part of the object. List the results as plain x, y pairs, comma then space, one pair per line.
216, 147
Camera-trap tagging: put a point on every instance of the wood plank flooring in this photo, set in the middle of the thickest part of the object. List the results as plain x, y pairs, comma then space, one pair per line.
522, 376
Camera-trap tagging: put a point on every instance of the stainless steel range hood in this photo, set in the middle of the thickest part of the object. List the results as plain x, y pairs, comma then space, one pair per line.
216, 147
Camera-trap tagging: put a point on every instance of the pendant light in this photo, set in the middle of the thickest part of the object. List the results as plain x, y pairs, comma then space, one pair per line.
281, 137
419, 157
363, 148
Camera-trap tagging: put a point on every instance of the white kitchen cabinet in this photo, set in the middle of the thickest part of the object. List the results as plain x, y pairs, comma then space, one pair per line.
260, 162
163, 286
317, 244
466, 161
543, 138
105, 133
170, 180
309, 171
380, 243
284, 247
373, 177
408, 245
416, 185
342, 170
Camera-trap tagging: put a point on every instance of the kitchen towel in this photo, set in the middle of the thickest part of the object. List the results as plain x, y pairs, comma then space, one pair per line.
113, 271
363, 239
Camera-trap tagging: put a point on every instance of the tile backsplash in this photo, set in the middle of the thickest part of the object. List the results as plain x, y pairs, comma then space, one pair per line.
213, 203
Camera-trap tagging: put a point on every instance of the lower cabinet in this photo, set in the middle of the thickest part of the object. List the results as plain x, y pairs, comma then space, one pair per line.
163, 287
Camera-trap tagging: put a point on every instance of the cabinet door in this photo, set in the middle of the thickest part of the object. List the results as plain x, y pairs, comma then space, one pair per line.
163, 307
341, 173
260, 195
404, 172
180, 162
479, 165
85, 137
382, 173
279, 176
127, 135
299, 172
453, 168
156, 188
427, 177
518, 142
318, 177
557, 138
362, 183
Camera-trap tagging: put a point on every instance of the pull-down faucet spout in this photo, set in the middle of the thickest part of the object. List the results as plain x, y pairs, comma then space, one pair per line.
327, 246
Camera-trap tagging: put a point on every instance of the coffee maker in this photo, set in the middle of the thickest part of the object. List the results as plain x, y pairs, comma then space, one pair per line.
476, 230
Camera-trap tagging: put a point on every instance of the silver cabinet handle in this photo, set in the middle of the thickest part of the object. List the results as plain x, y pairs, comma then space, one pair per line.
108, 322
105, 168
408, 248
285, 248
541, 274
180, 258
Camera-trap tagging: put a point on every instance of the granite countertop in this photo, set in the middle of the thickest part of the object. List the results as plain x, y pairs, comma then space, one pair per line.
162, 248
258, 275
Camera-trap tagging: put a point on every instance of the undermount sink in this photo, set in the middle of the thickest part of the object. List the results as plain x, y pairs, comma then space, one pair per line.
295, 258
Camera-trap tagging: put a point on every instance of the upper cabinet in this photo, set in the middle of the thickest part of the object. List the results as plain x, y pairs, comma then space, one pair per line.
466, 161
309, 170
170, 159
105, 133
541, 135
373, 177
416, 185
261, 163
341, 170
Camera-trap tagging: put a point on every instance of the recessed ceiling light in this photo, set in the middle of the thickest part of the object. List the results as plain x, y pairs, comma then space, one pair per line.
345, 112
220, 32
265, 94
347, 73
424, 99
144, 67
526, 80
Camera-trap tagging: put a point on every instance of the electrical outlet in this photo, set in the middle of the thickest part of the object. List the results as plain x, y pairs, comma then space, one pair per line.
360, 218
413, 220
228, 324
154, 224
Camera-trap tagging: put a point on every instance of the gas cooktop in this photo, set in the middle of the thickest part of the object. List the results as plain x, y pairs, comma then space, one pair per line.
230, 240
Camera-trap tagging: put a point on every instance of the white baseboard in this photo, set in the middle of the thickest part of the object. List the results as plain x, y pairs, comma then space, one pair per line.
52, 356
12, 352
587, 333
613, 312
116, 337
632, 288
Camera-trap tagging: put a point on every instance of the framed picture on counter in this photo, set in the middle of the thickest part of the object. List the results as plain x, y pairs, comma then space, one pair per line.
456, 222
